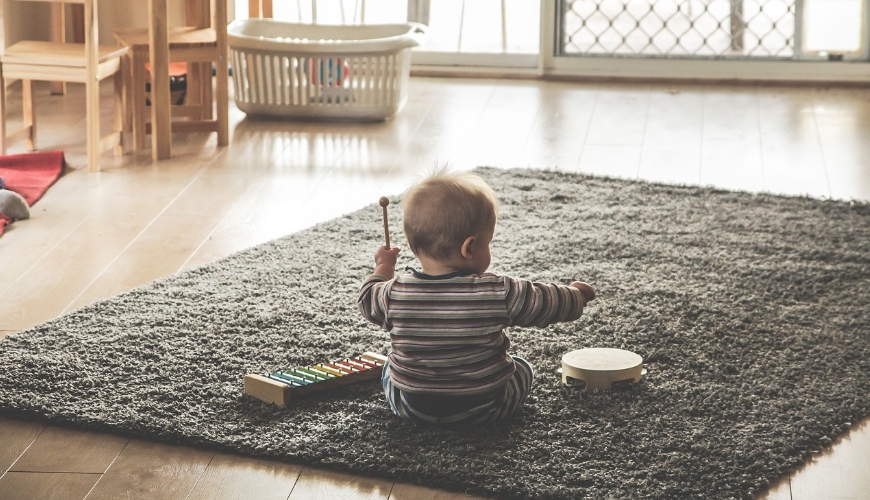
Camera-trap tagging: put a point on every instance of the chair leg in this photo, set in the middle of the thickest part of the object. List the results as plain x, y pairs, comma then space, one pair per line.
193, 96
120, 105
58, 34
199, 89
222, 99
29, 115
127, 75
92, 109
137, 95
205, 91
2, 112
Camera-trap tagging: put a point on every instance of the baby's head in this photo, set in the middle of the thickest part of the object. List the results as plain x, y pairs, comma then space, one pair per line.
444, 210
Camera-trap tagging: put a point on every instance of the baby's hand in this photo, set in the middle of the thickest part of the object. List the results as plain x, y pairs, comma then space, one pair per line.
386, 256
587, 291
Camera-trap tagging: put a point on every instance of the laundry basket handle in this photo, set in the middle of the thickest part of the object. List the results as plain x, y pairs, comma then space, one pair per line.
418, 32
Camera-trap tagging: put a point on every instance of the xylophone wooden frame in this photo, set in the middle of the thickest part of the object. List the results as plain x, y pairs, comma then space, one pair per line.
270, 390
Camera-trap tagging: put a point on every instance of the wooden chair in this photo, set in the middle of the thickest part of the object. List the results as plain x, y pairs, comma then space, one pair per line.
201, 44
59, 61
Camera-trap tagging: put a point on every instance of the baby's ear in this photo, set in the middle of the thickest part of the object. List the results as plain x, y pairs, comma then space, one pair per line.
467, 249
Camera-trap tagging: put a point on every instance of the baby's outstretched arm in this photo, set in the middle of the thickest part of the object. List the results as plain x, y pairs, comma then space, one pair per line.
541, 304
587, 291
385, 261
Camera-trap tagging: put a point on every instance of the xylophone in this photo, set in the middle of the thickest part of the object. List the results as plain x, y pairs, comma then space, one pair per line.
280, 386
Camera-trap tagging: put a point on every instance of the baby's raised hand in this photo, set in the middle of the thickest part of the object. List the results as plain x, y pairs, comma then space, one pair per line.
386, 256
587, 291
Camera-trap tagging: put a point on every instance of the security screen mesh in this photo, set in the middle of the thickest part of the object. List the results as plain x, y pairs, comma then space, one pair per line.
679, 28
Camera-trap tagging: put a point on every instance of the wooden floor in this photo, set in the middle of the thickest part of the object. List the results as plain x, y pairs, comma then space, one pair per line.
97, 234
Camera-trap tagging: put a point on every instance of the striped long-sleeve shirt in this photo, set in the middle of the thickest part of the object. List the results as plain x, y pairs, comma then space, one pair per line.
447, 332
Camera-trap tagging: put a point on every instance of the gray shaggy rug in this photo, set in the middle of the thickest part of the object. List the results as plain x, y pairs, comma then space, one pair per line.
750, 311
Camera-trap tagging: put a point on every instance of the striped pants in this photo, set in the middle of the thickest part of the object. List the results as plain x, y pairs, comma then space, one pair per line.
470, 411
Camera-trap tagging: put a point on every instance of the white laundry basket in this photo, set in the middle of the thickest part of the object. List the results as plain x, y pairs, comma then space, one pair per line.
357, 72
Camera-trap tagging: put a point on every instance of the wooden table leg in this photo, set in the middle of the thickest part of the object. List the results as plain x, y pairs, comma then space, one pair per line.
161, 118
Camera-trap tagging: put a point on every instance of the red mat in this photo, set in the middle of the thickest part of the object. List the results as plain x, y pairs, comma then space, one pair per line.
30, 175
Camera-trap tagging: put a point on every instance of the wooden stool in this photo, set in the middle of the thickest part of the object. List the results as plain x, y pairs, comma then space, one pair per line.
200, 46
601, 368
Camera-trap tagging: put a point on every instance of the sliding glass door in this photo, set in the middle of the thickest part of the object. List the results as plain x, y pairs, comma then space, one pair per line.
722, 39
733, 29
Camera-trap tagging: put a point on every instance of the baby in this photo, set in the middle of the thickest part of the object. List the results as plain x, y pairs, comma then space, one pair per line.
449, 362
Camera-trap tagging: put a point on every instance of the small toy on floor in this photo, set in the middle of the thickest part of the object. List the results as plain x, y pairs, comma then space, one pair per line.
601, 368
12, 204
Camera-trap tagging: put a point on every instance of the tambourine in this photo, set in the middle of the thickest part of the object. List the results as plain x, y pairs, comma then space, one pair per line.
601, 368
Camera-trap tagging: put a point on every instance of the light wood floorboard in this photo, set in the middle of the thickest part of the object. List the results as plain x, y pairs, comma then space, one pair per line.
46, 486
319, 484
58, 449
16, 437
229, 477
95, 235
152, 471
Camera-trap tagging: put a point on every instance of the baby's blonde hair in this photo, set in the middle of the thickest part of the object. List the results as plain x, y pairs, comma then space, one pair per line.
446, 208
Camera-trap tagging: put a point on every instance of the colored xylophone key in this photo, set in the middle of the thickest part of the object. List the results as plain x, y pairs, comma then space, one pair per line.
282, 385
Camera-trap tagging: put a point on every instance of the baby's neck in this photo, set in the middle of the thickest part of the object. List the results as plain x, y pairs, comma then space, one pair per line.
437, 268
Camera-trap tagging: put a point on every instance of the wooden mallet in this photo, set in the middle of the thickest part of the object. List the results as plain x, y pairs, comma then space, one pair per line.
383, 202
